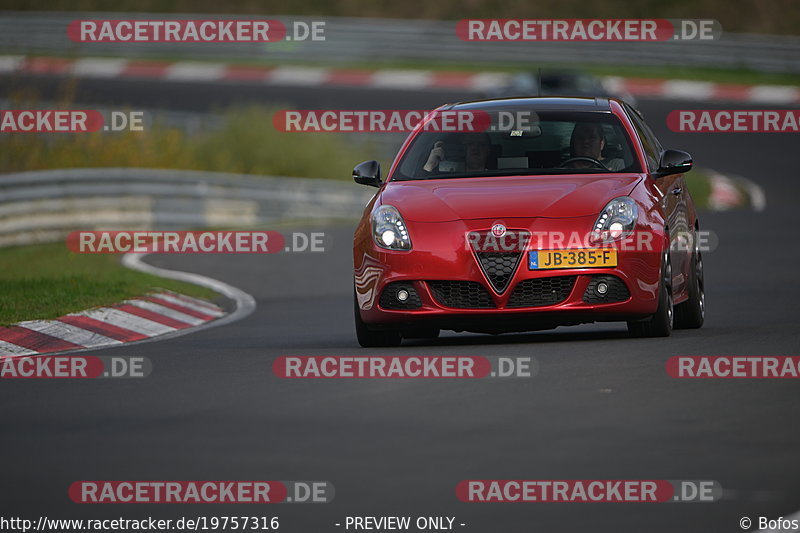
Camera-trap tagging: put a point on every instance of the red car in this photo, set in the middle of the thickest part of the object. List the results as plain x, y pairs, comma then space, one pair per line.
557, 211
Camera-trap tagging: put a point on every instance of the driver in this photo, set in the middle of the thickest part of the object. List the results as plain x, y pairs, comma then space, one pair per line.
477, 147
588, 141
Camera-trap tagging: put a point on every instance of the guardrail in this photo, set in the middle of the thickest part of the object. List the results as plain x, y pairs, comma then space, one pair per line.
361, 39
45, 206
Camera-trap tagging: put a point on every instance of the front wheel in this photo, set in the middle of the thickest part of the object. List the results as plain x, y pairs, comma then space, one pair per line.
691, 313
368, 338
660, 324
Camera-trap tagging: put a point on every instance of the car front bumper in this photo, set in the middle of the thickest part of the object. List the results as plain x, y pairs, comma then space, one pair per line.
448, 288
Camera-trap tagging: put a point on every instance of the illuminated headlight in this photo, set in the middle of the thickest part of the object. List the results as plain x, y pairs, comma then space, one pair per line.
388, 238
388, 229
616, 221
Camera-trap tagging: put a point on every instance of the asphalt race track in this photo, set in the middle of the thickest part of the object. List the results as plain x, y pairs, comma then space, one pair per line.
602, 406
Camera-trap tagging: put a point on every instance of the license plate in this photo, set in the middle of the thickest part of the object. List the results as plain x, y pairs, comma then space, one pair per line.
591, 258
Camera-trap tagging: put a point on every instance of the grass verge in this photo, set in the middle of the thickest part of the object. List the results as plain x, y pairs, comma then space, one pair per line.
45, 281
247, 143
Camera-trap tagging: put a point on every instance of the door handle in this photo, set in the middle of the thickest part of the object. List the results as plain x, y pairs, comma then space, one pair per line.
677, 191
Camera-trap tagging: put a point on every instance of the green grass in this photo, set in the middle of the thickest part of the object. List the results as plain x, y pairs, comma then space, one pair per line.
46, 281
246, 143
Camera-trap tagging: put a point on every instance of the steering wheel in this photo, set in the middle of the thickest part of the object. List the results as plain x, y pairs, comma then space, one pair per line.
595, 162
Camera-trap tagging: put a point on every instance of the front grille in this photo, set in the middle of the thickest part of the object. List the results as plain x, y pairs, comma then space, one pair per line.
541, 291
499, 256
389, 296
461, 294
499, 267
617, 290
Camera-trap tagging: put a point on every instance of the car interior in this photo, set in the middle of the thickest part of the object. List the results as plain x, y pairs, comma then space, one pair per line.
545, 146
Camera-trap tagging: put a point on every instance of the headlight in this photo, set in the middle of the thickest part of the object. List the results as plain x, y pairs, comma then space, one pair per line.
616, 221
388, 229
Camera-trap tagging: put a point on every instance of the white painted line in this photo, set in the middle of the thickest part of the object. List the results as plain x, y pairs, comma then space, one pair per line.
121, 319
190, 71
297, 76
99, 67
8, 349
10, 63
402, 79
245, 303
166, 311
187, 304
69, 333
774, 94
688, 90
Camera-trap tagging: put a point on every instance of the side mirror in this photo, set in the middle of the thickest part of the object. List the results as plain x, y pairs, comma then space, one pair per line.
368, 173
674, 162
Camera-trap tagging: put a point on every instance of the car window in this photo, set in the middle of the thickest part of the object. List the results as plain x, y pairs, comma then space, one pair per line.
652, 148
546, 143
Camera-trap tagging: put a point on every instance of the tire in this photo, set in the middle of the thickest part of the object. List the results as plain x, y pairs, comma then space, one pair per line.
368, 338
691, 313
661, 322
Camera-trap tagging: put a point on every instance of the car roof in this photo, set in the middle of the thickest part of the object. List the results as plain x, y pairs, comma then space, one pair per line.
543, 103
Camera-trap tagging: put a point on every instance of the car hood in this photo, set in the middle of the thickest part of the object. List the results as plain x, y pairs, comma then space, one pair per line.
442, 200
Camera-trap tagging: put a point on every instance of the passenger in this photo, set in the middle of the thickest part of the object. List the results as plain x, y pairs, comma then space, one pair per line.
477, 146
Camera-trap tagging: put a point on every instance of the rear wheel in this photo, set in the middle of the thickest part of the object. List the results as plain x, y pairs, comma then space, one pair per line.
691, 313
368, 338
660, 324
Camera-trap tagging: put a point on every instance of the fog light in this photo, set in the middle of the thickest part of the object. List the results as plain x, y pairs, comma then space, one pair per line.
402, 295
601, 288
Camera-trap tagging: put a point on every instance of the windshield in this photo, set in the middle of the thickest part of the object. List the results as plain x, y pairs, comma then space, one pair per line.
523, 142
